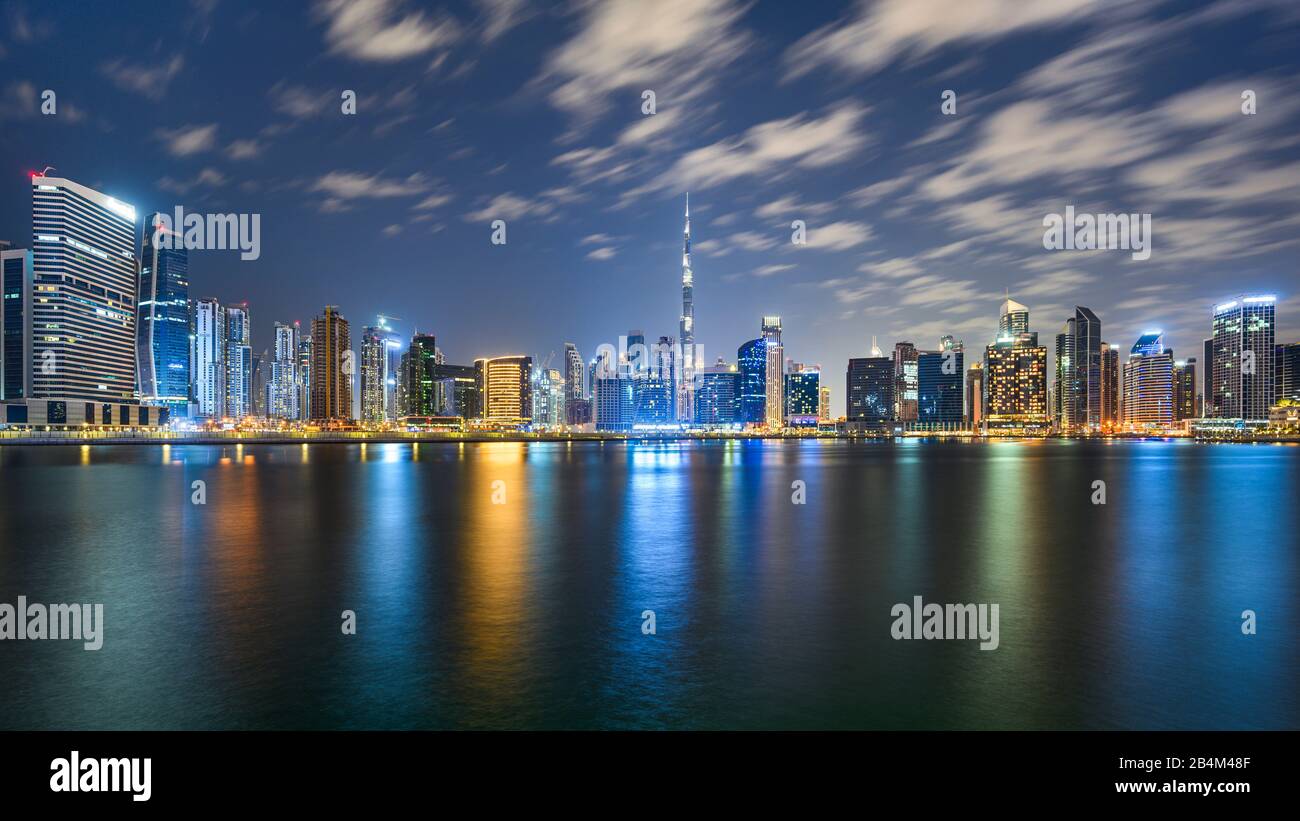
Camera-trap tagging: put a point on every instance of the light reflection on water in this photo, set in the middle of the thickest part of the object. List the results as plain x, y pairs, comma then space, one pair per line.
528, 613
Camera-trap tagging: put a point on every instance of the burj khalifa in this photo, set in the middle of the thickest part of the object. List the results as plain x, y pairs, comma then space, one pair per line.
686, 374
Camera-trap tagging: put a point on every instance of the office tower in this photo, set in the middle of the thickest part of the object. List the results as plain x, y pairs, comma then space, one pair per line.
1184, 385
260, 382
716, 400
1015, 382
940, 377
1286, 372
774, 385
948, 342
208, 361
1109, 386
869, 390
684, 375
83, 310
507, 390
456, 391
576, 408
802, 396
1078, 373
1207, 380
654, 384
905, 382
613, 405
751, 365
283, 384
1013, 320
162, 319
1149, 384
305, 353
421, 359
239, 362
332, 367
374, 374
16, 285
824, 403
548, 398
1243, 357
975, 396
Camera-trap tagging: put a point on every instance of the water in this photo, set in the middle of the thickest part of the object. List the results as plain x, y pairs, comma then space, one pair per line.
528, 614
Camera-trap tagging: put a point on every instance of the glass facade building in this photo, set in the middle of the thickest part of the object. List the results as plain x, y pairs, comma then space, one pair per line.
939, 387
162, 320
751, 361
869, 390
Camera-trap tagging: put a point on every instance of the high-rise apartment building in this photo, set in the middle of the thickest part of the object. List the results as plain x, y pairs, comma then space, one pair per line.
774, 406
1149, 384
208, 358
332, 368
1244, 348
239, 362
507, 390
905, 387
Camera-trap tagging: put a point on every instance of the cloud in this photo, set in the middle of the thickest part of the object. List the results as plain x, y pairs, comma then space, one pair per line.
354, 186
244, 149
838, 236
771, 270
509, 206
383, 30
300, 102
789, 207
499, 16
18, 101
433, 201
189, 139
208, 177
602, 254
392, 230
148, 80
877, 34
677, 48
769, 150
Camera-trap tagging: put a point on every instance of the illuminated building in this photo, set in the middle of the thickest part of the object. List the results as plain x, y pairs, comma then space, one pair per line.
802, 395
774, 387
1015, 373
507, 390
940, 377
283, 394
1079, 373
208, 358
377, 345
684, 376
239, 362
1109, 386
16, 281
1013, 319
716, 400
456, 391
1184, 385
653, 384
975, 396
83, 304
1243, 357
1149, 384
1286, 372
418, 374
751, 363
1207, 379
162, 321
548, 399
905, 388
869, 390
824, 403
331, 368
304, 375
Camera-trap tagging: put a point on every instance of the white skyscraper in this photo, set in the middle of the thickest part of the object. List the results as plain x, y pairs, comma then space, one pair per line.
686, 373
774, 406
83, 316
208, 368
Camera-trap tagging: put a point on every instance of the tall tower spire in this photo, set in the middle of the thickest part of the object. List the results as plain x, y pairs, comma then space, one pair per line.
686, 377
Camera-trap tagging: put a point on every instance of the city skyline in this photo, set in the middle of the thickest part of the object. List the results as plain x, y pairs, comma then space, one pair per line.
914, 219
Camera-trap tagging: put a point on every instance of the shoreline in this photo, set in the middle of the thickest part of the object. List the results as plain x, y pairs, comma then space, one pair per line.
389, 437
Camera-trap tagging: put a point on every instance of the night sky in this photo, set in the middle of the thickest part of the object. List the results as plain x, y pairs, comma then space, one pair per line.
768, 112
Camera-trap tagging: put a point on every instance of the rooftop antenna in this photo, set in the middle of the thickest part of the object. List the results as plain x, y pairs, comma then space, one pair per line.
48, 168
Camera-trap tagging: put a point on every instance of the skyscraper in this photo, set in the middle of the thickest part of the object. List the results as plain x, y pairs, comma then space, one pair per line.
283, 385
802, 396
1013, 319
975, 396
613, 406
905, 377
375, 341
940, 377
774, 406
751, 363
685, 372
548, 399
305, 353
1079, 372
1286, 376
654, 384
421, 359
824, 403
1149, 384
16, 283
869, 390
1207, 380
208, 358
1243, 357
332, 367
84, 272
1184, 384
162, 321
507, 390
239, 362
716, 400
1110, 409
